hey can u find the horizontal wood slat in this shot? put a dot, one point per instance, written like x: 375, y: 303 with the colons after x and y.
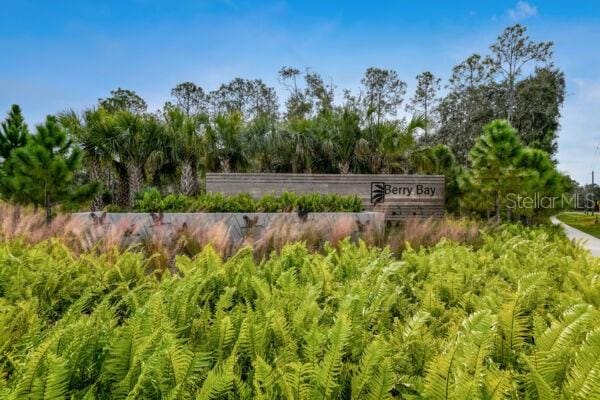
x: 415, y: 195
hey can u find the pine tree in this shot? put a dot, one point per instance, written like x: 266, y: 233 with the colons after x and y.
x: 13, y: 135
x: 13, y: 132
x: 43, y: 170
x: 494, y: 167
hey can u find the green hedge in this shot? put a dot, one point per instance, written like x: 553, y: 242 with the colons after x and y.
x: 152, y: 201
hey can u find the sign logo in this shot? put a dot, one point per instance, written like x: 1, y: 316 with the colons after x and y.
x: 377, y: 192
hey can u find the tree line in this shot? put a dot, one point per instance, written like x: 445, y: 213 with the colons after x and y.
x: 116, y: 148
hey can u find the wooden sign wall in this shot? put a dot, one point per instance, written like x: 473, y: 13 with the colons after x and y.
x: 398, y: 196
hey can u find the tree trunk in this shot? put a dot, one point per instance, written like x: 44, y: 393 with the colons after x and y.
x: 511, y: 99
x: 48, y: 207
x: 225, y: 166
x: 497, y: 206
x: 122, y: 192
x: 135, y: 175
x: 344, y: 167
x: 96, y: 176
x: 188, y: 181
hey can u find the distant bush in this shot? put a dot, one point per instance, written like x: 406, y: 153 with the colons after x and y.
x: 151, y: 200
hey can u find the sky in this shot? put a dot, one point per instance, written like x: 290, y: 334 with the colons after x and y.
x: 57, y: 55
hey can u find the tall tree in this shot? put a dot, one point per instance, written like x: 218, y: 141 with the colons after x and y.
x: 538, y: 103
x: 13, y: 132
x: 473, y: 101
x: 297, y: 104
x: 44, y: 170
x: 190, y: 98
x: 425, y: 99
x: 542, y: 180
x: 321, y: 93
x: 124, y: 100
x: 383, y: 93
x: 512, y: 51
x: 252, y: 98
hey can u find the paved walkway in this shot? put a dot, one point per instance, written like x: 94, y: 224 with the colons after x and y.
x: 588, y: 241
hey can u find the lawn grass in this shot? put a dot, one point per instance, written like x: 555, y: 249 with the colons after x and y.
x: 584, y: 222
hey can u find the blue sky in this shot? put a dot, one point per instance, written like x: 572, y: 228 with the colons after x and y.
x: 66, y: 54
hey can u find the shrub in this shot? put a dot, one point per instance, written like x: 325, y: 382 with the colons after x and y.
x: 427, y: 232
x: 151, y: 200
x: 269, y: 203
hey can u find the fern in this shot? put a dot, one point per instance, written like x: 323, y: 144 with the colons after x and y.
x: 538, y: 388
x: 331, y: 365
x: 35, y: 369
x: 382, y: 384
x: 218, y: 382
x: 296, y: 381
x: 513, y: 330
x: 584, y: 377
x: 183, y: 367
x: 438, y: 380
x: 372, y: 357
x: 516, y: 317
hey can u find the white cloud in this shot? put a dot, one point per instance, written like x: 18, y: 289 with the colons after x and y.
x: 522, y: 10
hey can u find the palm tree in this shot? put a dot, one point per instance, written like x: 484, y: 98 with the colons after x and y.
x: 438, y: 159
x: 90, y: 131
x: 261, y: 142
x: 391, y: 143
x: 225, y: 143
x: 345, y: 142
x: 184, y: 133
x: 296, y: 147
x: 139, y: 148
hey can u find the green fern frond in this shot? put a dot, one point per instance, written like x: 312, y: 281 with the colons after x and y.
x: 185, y: 368
x: 589, y: 287
x: 218, y: 382
x: 35, y: 367
x: 370, y: 361
x: 538, y: 387
x: 564, y: 332
x: 331, y: 365
x: 497, y: 384
x: 476, y: 342
x: 584, y: 377
x: 438, y: 380
x: 512, y: 330
x: 297, y: 380
x: 383, y: 382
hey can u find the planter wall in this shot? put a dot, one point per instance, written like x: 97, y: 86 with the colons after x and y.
x: 238, y: 226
